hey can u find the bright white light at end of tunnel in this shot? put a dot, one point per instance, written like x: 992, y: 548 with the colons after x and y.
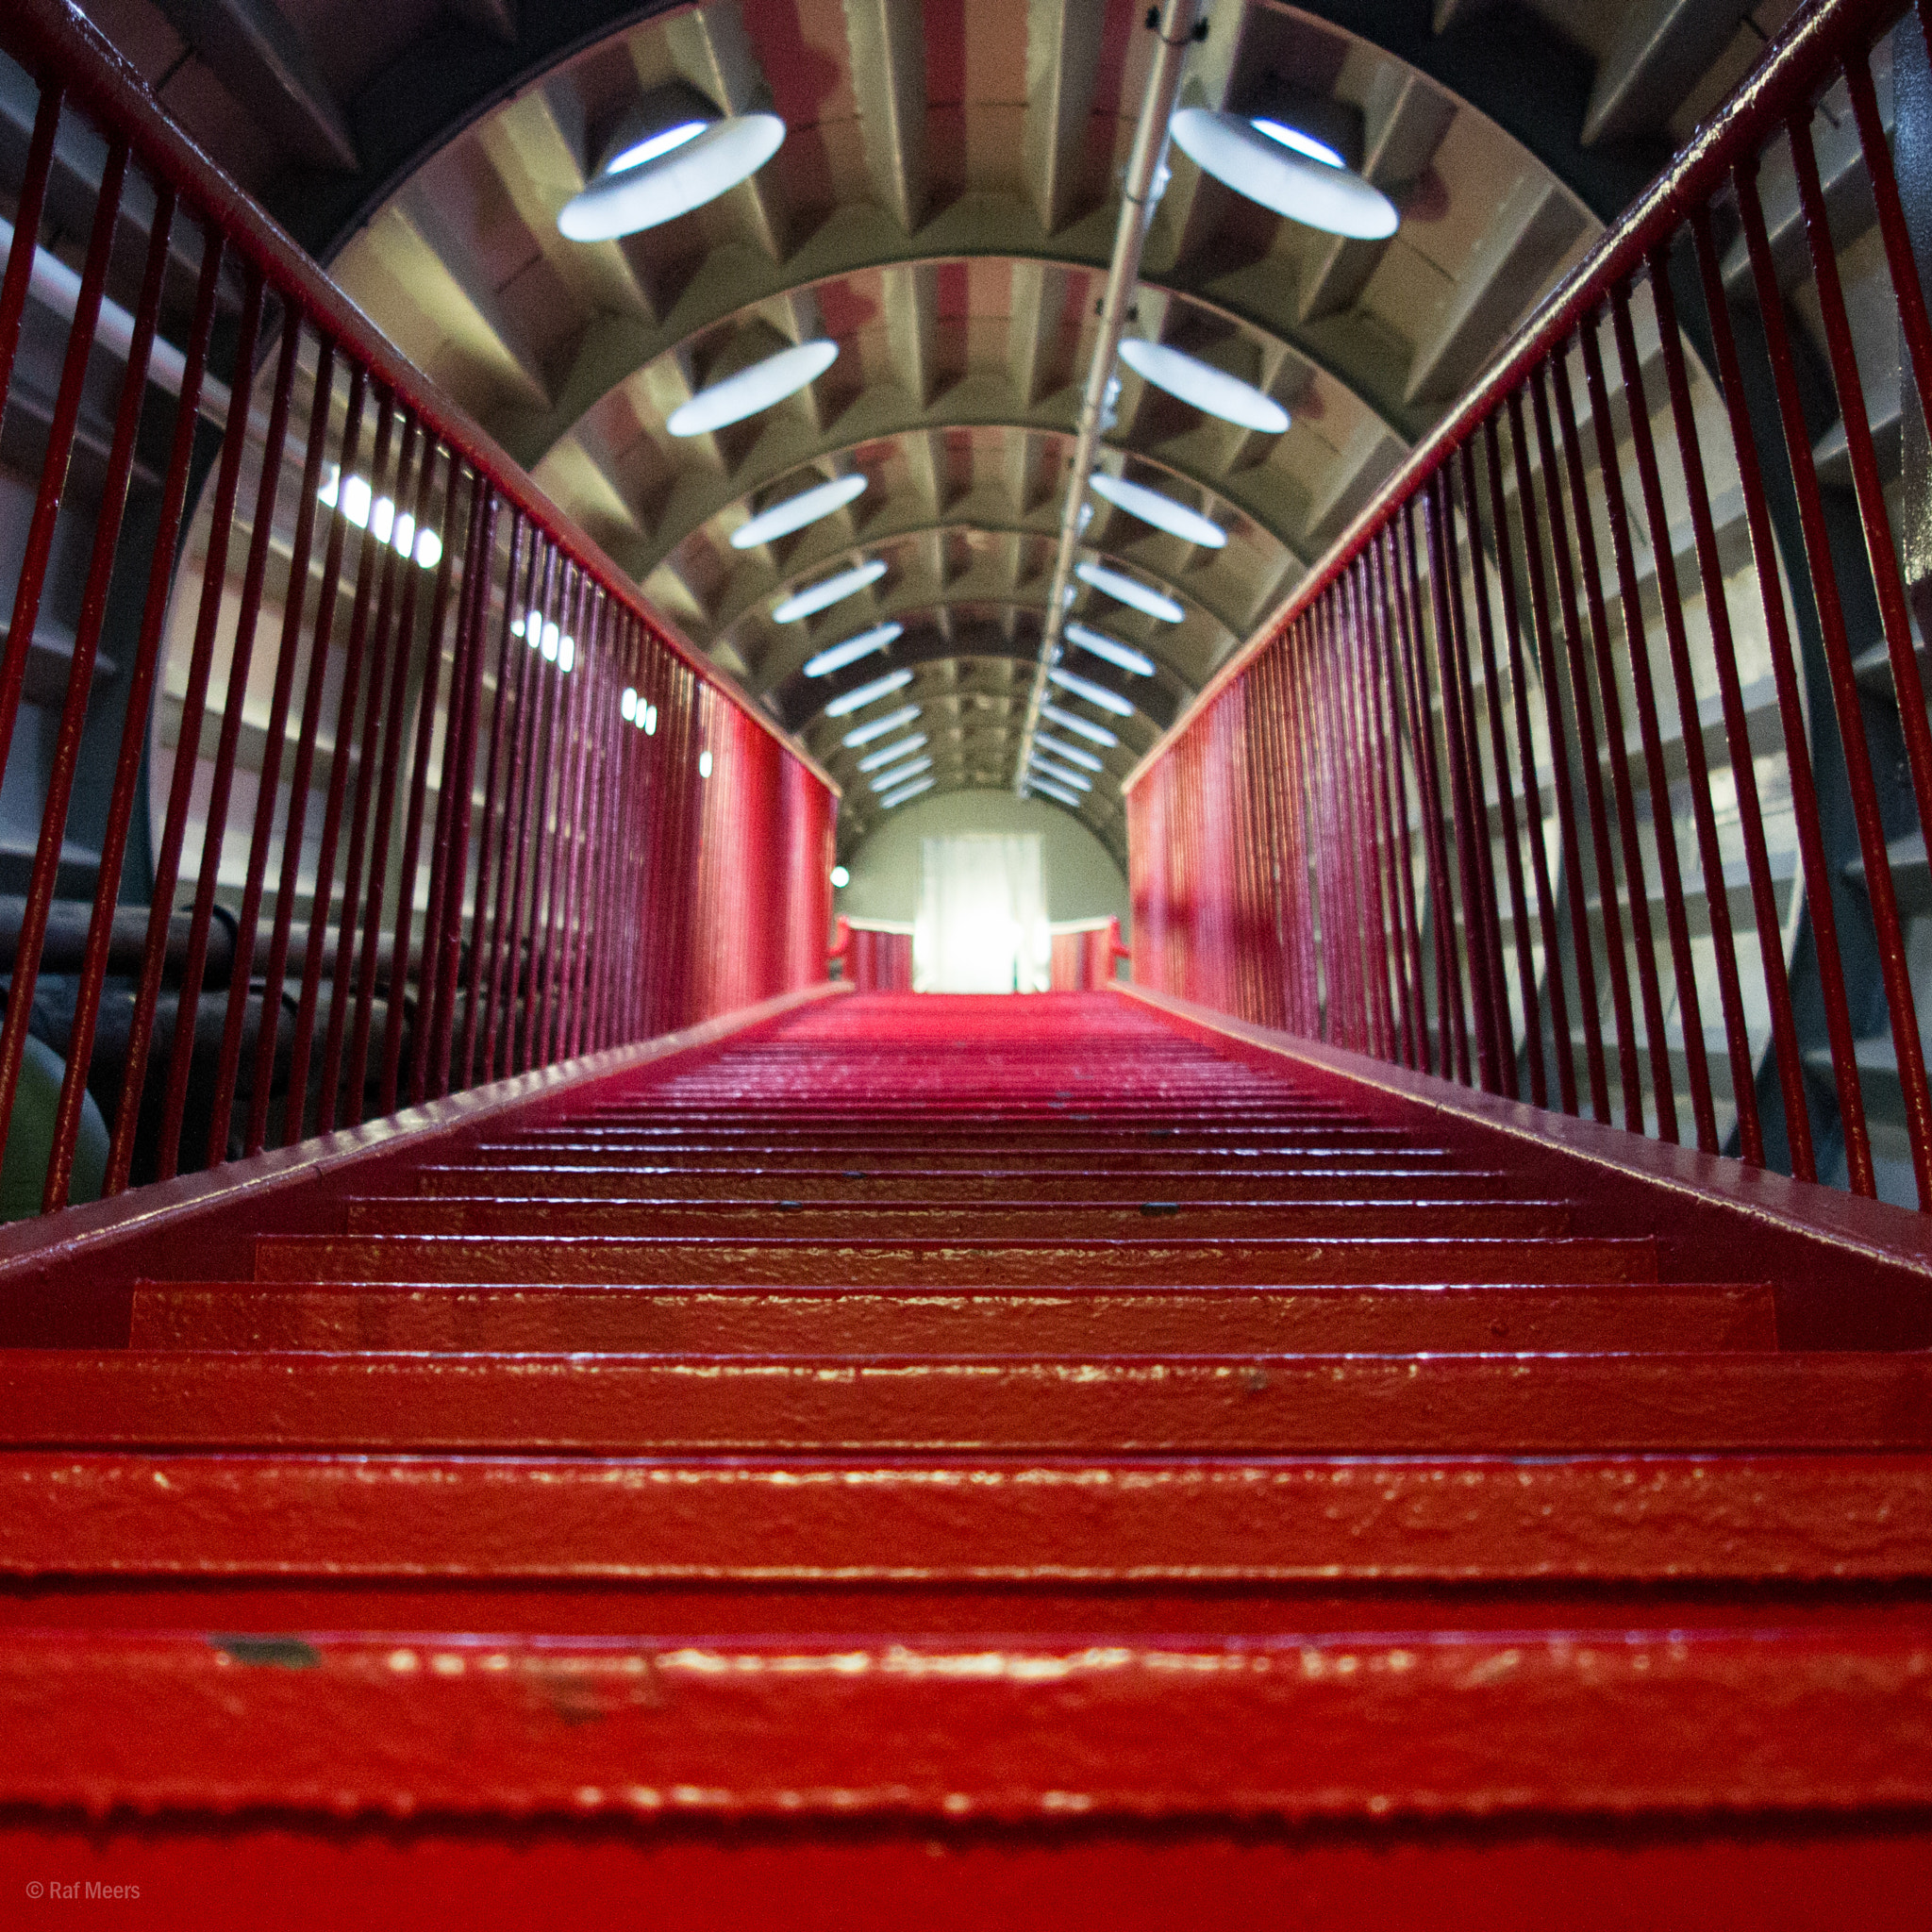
x: 892, y: 754
x: 822, y: 596
x: 638, y: 191
x: 1129, y: 591
x: 1163, y: 512
x: 840, y: 878
x: 868, y: 693
x: 1079, y: 727
x: 1093, y: 693
x: 1114, y: 652
x: 795, y: 512
x: 752, y: 389
x: 1210, y: 389
x: 864, y: 733
x: 853, y: 649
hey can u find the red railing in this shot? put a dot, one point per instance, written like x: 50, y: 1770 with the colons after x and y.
x: 1594, y: 765
x: 435, y: 797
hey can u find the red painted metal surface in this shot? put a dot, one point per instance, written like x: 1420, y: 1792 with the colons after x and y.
x: 1468, y: 721
x: 877, y: 958
x: 1043, y: 1430
x: 362, y: 544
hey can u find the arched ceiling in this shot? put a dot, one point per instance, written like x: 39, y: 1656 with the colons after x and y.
x: 943, y: 209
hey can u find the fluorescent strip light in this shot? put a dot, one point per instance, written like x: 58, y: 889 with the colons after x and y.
x: 878, y: 761
x: 907, y: 791
x: 869, y: 693
x: 1208, y: 389
x: 853, y: 649
x: 1093, y: 693
x: 864, y: 733
x: 1104, y: 646
x: 1151, y: 507
x: 891, y: 781
x: 1275, y: 165
x: 795, y: 512
x: 646, y: 191
x: 752, y: 389
x: 1036, y: 783
x: 1071, y: 753
x: 1079, y: 727
x: 830, y: 591
x: 1078, y: 781
x: 1124, y: 590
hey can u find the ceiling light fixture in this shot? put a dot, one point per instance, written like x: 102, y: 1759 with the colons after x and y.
x: 864, y: 733
x: 891, y: 781
x: 1071, y: 753
x: 1129, y: 591
x: 840, y: 878
x: 853, y: 649
x: 1079, y: 727
x: 1104, y: 646
x: 1093, y: 693
x: 1278, y: 167
x: 666, y: 175
x: 906, y: 791
x: 795, y: 512
x: 1078, y: 781
x: 1036, y: 783
x: 831, y: 590
x: 868, y: 693
x: 752, y: 389
x: 878, y: 761
x: 1210, y: 389
x: 1151, y: 507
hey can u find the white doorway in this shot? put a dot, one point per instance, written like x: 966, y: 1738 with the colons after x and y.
x: 981, y: 925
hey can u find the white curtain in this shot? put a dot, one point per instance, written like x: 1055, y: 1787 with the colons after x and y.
x: 982, y: 915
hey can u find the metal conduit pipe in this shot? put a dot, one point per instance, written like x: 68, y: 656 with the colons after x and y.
x: 1177, y: 23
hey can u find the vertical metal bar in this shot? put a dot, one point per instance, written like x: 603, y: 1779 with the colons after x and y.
x: 1662, y: 818
x: 227, y: 743
x: 1818, y: 890
x: 128, y: 769
x: 1887, y: 580
x: 1544, y: 637
x: 1401, y: 1043
x: 243, y: 971
x: 93, y: 603
x: 1737, y: 726
x: 1405, y: 877
x: 1584, y: 714
x: 1505, y: 807
x: 334, y: 1040
x: 27, y: 212
x: 1636, y: 884
x: 295, y: 827
x: 368, y: 553
x: 38, y: 549
x: 187, y: 749
x: 1561, y: 1044
x: 539, y: 743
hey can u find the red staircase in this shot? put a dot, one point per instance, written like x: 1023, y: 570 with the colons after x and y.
x: 949, y: 1462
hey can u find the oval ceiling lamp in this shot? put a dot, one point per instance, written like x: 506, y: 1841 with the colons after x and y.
x: 1213, y: 391
x: 878, y: 761
x: 821, y: 596
x: 1071, y: 753
x: 1079, y: 727
x: 1077, y: 780
x: 654, y: 180
x: 864, y: 694
x: 1129, y: 591
x: 1093, y: 693
x: 1104, y: 646
x: 853, y: 649
x: 795, y: 512
x: 1278, y: 167
x: 891, y: 781
x: 752, y: 389
x: 906, y: 791
x: 1151, y: 507
x: 864, y: 733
